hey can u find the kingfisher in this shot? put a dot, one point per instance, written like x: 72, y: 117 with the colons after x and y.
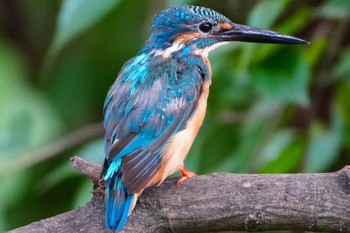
x: 157, y: 104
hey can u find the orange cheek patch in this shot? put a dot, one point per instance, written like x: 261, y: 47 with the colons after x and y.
x: 186, y: 37
x: 225, y: 26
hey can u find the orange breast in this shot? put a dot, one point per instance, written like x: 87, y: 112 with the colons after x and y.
x: 177, y: 149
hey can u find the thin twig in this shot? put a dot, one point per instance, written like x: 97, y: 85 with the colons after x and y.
x: 67, y: 142
x: 91, y: 170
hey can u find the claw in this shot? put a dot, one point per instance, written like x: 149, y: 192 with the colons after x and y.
x: 185, y: 175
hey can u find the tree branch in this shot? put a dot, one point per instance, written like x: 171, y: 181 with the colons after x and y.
x: 220, y: 202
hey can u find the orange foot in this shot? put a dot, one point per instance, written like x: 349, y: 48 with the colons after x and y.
x: 185, y: 175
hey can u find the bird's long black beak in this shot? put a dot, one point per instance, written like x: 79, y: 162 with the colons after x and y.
x: 251, y: 34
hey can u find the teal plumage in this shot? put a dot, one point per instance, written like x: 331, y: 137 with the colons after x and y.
x: 143, y: 110
x: 154, y: 109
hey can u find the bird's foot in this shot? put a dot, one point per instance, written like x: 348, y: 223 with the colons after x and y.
x: 185, y: 175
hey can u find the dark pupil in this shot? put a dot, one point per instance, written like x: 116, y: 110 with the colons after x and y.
x: 205, y: 27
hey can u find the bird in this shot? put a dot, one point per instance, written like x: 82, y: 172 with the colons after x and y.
x: 155, y: 107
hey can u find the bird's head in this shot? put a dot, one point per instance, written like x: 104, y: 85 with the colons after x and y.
x: 198, y: 30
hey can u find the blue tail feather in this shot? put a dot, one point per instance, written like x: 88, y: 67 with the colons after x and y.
x: 118, y: 203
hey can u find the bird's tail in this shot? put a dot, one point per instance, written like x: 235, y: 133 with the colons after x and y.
x: 118, y: 202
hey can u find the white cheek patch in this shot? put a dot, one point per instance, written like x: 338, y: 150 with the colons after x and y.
x: 176, y: 46
x: 205, y: 51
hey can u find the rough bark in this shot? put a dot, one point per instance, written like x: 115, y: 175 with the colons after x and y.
x: 220, y: 202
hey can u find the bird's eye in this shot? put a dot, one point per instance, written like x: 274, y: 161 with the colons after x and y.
x: 205, y: 27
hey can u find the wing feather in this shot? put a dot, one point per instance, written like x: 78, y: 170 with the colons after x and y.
x: 140, y: 120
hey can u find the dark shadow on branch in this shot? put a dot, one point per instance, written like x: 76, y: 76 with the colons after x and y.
x: 220, y: 202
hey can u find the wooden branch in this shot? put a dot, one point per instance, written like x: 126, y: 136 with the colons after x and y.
x: 220, y: 202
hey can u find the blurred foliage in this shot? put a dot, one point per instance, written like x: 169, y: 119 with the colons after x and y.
x: 272, y: 108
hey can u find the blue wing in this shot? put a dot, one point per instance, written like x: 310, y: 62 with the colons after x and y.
x: 140, y: 118
x: 143, y: 109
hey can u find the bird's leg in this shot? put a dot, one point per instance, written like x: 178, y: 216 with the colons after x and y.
x: 185, y: 174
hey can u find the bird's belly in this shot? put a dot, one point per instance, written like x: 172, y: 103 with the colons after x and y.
x: 177, y: 149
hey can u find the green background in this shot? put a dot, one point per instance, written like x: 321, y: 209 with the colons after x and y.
x: 272, y: 108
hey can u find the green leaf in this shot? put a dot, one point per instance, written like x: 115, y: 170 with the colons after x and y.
x: 283, y: 153
x: 248, y: 140
x: 209, y: 144
x: 324, y: 144
x: 283, y: 77
x: 289, y: 159
x: 336, y: 9
x: 240, y: 159
x: 342, y: 98
x: 258, y: 17
x: 27, y: 119
x: 342, y: 68
x: 180, y: 2
x: 289, y: 27
x: 313, y: 52
x: 93, y: 151
x: 56, y: 176
x: 12, y: 189
x: 75, y: 17
x: 276, y: 145
x: 83, y: 194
